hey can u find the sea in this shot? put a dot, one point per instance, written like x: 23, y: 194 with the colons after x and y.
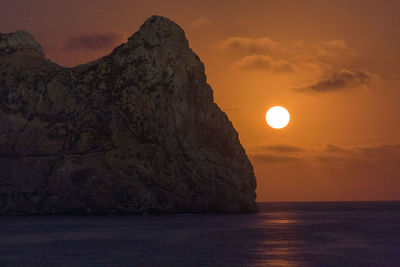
x: 281, y: 234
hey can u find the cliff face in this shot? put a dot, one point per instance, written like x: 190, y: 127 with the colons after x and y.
x: 135, y: 131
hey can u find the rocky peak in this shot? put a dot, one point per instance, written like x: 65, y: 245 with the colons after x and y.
x: 159, y: 30
x: 135, y: 131
x: 19, y: 40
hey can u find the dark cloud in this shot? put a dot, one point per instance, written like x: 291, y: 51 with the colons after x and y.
x: 343, y: 79
x: 262, y: 62
x: 93, y: 41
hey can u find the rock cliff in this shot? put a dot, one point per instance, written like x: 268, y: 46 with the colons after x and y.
x: 136, y: 131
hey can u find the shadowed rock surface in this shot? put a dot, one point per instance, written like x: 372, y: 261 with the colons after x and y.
x: 136, y: 131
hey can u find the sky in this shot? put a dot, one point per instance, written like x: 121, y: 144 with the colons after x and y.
x: 334, y: 65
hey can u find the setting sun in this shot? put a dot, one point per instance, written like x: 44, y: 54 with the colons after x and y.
x: 278, y: 117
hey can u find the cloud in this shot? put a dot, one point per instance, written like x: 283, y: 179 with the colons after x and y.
x: 366, y: 154
x: 329, y: 154
x: 322, y: 66
x: 334, y: 149
x: 282, y: 148
x: 385, y: 151
x: 273, y: 158
x: 276, y: 153
x: 333, y: 50
x: 310, y: 66
x: 249, y: 45
x: 340, y: 80
x: 360, y: 155
x: 309, y: 60
x: 263, y: 62
x: 200, y: 22
x: 94, y: 41
x: 330, y: 172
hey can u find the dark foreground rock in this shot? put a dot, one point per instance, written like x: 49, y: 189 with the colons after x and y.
x: 136, y: 131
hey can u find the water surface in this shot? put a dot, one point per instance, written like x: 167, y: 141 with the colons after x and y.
x: 281, y: 234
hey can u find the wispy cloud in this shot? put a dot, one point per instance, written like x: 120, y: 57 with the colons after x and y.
x: 262, y: 62
x: 249, y: 45
x: 281, y: 148
x: 200, y: 22
x: 273, y: 158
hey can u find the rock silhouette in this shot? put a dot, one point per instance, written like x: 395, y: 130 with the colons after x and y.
x: 136, y: 131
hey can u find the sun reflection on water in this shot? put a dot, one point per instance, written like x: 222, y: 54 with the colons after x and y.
x: 281, y: 221
x: 281, y: 245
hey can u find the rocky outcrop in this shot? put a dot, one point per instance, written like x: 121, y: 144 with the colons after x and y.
x: 18, y: 40
x: 136, y: 131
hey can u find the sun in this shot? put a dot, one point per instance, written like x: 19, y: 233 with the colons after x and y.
x: 278, y: 117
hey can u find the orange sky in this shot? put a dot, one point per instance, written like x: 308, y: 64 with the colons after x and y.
x: 334, y: 65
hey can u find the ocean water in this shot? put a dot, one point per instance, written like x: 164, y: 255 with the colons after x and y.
x: 281, y: 234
